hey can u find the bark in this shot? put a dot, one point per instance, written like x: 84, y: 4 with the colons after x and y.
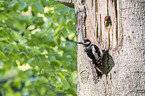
x: 69, y: 3
x: 124, y: 66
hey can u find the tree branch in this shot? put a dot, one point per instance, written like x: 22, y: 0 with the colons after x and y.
x: 69, y: 3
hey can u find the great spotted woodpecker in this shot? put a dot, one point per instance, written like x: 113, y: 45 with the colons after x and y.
x: 94, y: 53
x: 91, y: 50
x: 107, y: 21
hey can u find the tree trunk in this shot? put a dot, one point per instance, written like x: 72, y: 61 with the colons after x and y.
x: 123, y: 69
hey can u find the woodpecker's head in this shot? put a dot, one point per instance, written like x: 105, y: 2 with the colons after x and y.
x: 87, y: 42
x: 107, y: 21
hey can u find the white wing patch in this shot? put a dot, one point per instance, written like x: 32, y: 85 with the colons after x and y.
x: 94, y: 52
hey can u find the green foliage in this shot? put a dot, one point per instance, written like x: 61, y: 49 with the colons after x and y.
x: 35, y: 58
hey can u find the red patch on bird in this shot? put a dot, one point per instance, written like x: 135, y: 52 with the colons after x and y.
x: 105, y: 19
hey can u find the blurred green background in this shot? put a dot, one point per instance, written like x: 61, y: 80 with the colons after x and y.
x: 35, y: 58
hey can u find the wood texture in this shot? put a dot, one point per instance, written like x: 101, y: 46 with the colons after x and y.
x: 124, y: 68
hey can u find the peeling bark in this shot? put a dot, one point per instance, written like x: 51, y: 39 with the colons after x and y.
x: 124, y: 65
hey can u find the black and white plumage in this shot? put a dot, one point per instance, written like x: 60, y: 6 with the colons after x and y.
x: 94, y: 53
x: 91, y: 50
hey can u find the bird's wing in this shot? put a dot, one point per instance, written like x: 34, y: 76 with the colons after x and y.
x: 94, y: 52
x: 100, y: 53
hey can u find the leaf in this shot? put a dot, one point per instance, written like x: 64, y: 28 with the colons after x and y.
x: 48, y: 22
x: 21, y: 26
x: 15, y: 47
x: 30, y: 60
x: 22, y: 5
x: 57, y: 30
x: 52, y: 43
x: 13, y: 3
x: 65, y: 84
x: 39, y: 20
x: 15, y: 35
x: 17, y: 83
x: 58, y: 40
x: 61, y: 76
x: 34, y: 51
x: 55, y: 64
x: 64, y: 81
x: 2, y: 55
x: 64, y: 32
x: 37, y: 7
x: 61, y: 19
x: 4, y: 39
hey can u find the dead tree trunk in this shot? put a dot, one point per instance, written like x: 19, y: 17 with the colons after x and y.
x: 123, y: 71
